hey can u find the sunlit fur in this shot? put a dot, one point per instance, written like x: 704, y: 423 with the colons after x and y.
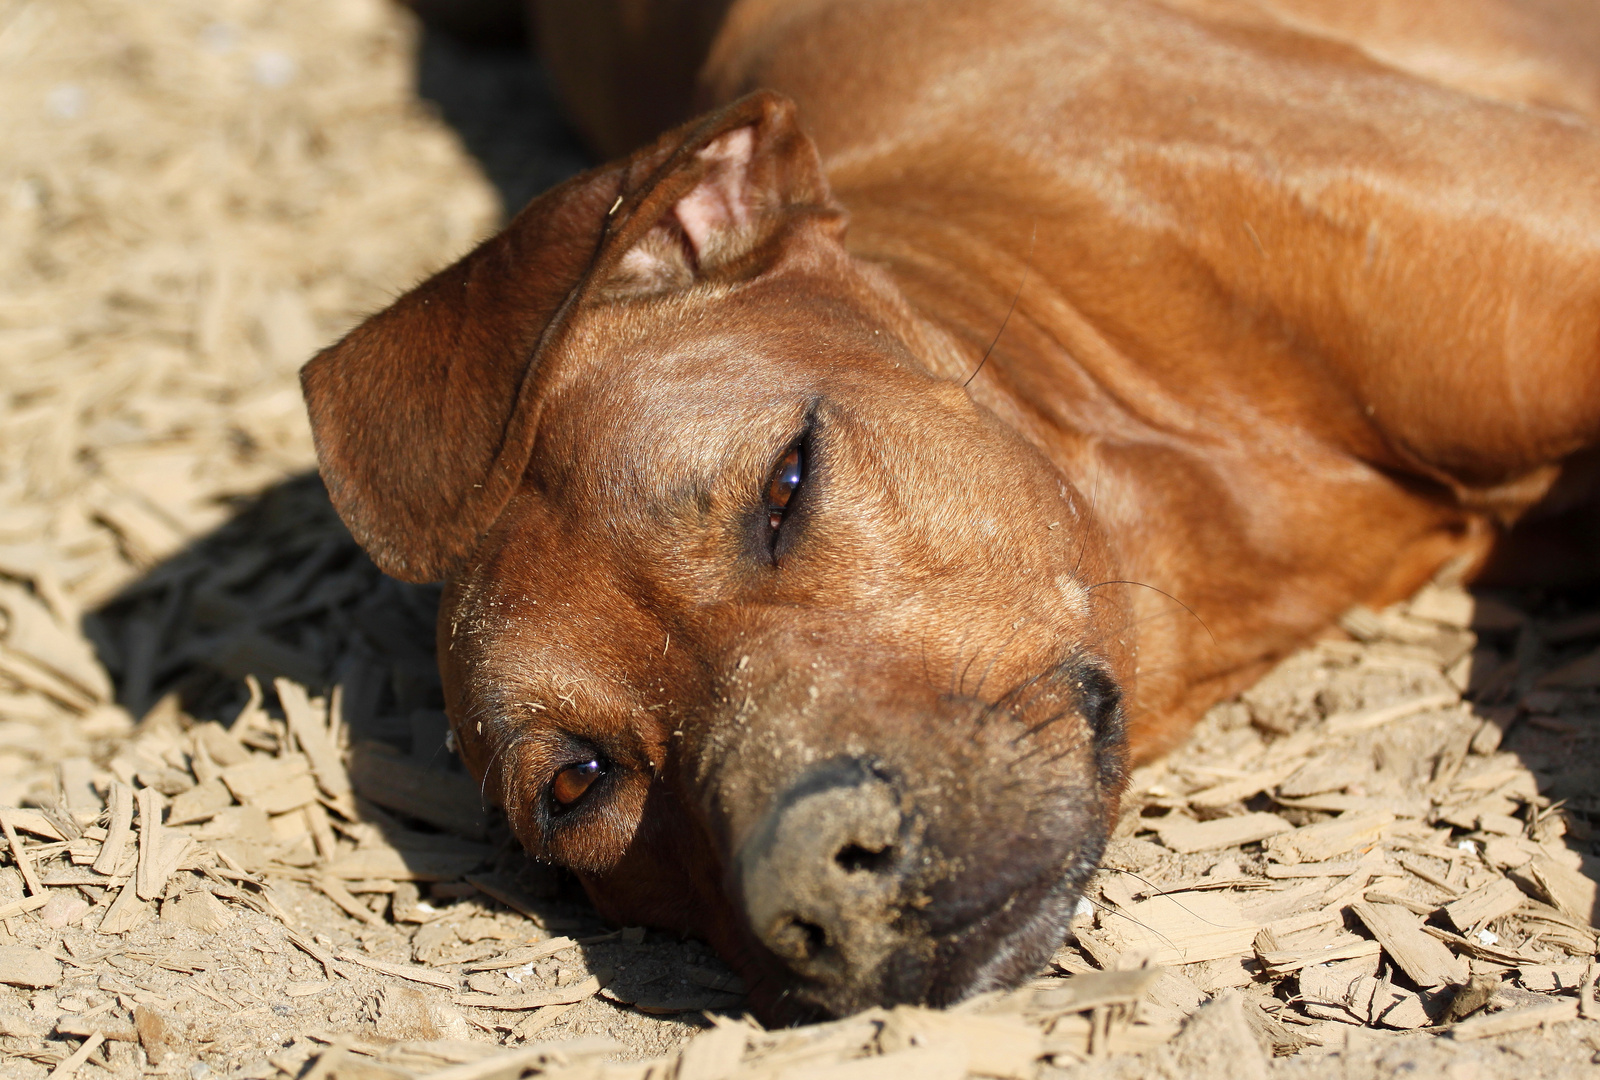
x: 1282, y: 312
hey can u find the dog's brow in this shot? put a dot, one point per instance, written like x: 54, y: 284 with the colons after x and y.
x: 692, y: 445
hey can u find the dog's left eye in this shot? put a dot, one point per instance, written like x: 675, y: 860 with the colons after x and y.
x: 784, y: 483
x: 572, y: 782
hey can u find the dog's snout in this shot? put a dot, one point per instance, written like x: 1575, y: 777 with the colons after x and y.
x: 823, y: 875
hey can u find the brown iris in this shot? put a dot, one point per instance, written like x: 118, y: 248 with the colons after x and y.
x: 784, y: 483
x: 574, y: 780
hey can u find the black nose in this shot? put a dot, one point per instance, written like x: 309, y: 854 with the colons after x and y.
x: 822, y: 876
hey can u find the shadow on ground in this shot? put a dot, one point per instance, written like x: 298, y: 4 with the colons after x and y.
x: 281, y: 591
x: 484, y: 82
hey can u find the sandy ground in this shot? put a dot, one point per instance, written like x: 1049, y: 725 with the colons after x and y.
x: 216, y: 716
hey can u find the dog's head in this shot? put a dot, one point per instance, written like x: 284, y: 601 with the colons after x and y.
x: 765, y: 630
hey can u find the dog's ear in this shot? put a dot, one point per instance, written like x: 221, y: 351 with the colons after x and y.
x: 424, y: 415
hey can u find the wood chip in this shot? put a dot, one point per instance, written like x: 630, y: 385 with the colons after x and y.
x: 1322, y: 841
x: 150, y: 863
x: 540, y: 1019
x: 1416, y: 907
x: 26, y: 904
x: 334, y: 890
x: 1420, y: 956
x: 32, y: 632
x: 311, y: 732
x: 1477, y: 950
x: 1245, y: 787
x: 1512, y: 1020
x: 564, y: 995
x: 199, y: 910
x: 77, y: 789
x: 1351, y: 992
x: 1502, y: 824
x: 1182, y: 928
x: 1340, y: 868
x: 1091, y: 990
x: 176, y: 847
x: 1331, y: 915
x: 919, y: 1063
x: 32, y: 822
x: 406, y: 971
x: 1349, y: 723
x: 71, y: 1064
x: 127, y: 911
x: 200, y: 803
x: 322, y: 831
x: 1331, y: 771
x: 219, y: 744
x: 1285, y: 961
x: 1448, y: 607
x: 111, y: 1030
x: 118, y: 831
x: 1187, y: 836
x: 1394, y: 1007
x: 406, y: 865
x: 509, y: 1066
x: 19, y: 854
x: 24, y: 965
x: 277, y: 785
x: 1551, y: 978
x: 1569, y: 891
x: 330, y: 966
x: 527, y: 955
x: 1426, y: 873
x: 998, y: 1046
x: 1490, y: 901
x: 1330, y: 983
x: 713, y: 1054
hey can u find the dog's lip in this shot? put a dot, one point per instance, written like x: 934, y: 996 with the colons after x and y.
x: 966, y: 956
x: 1042, y: 910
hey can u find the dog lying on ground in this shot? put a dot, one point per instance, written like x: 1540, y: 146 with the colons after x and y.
x: 836, y: 494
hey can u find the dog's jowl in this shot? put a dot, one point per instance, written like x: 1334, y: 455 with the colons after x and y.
x: 836, y: 494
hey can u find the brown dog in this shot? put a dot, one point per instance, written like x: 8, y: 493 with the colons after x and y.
x: 791, y: 607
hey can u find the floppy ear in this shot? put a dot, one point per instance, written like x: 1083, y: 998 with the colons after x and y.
x: 424, y: 415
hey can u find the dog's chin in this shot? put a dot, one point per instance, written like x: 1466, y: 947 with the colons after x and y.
x: 998, y: 951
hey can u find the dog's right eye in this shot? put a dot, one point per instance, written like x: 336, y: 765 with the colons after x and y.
x: 574, y: 781
x: 784, y: 483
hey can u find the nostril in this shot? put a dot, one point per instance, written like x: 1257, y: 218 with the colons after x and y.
x: 796, y: 939
x: 821, y: 872
x: 856, y: 858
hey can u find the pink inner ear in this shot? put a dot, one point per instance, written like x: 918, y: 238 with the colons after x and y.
x: 721, y: 199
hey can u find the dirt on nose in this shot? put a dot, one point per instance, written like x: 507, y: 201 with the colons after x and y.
x: 824, y: 884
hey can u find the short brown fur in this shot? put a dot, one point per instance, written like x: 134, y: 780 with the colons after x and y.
x: 1304, y: 308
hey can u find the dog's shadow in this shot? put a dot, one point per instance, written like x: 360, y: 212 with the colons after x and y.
x: 481, y: 78
x: 282, y: 591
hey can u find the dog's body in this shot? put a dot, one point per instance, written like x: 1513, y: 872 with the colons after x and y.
x: 837, y: 615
